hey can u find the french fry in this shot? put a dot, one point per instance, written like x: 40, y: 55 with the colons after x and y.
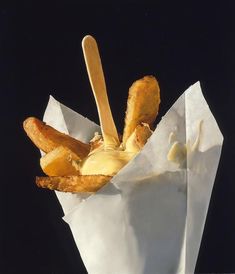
x: 74, y: 184
x: 47, y: 138
x: 59, y: 162
x: 138, y: 138
x: 142, y: 132
x: 96, y: 142
x: 142, y: 104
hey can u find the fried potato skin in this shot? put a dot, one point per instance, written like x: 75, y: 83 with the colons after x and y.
x: 142, y: 133
x: 142, y: 104
x: 96, y: 142
x: 47, y: 138
x: 138, y: 138
x: 59, y: 162
x: 73, y: 184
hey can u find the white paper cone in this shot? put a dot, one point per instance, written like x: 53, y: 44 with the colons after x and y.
x: 149, y: 219
x: 68, y: 121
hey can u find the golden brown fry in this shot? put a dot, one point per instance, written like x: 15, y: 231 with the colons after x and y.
x: 59, y: 162
x: 96, y: 142
x: 142, y: 132
x: 74, y: 184
x: 138, y: 138
x: 142, y: 105
x: 47, y: 138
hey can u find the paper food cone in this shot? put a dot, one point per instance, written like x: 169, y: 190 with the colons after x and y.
x: 150, y: 217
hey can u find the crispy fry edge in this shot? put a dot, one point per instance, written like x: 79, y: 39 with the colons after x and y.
x: 59, y: 162
x: 142, y: 104
x: 74, y: 184
x: 47, y: 138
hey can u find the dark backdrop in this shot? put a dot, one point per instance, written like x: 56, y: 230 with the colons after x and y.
x: 41, y: 55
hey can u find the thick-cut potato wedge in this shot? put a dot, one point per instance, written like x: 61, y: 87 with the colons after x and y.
x: 142, y: 133
x: 138, y: 138
x: 59, y: 162
x: 74, y: 184
x: 142, y: 104
x: 96, y: 142
x: 47, y: 138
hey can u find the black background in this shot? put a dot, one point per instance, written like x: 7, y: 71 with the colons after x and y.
x: 41, y: 55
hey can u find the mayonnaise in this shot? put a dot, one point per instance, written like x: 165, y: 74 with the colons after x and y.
x: 105, y: 162
x: 108, y: 159
x: 177, y: 153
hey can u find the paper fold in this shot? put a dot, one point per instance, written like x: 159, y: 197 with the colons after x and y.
x: 150, y: 217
